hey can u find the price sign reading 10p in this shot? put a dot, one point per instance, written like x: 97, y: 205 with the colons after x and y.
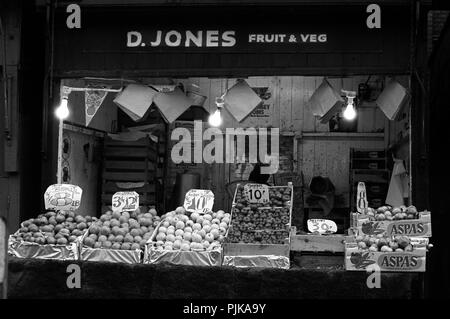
x: 256, y: 193
x: 125, y: 201
x: 199, y: 201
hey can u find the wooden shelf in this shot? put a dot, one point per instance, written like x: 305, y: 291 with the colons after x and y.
x: 342, y: 135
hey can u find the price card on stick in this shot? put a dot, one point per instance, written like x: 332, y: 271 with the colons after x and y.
x: 256, y: 193
x: 199, y: 201
x: 361, y: 198
x: 63, y: 197
x: 125, y: 201
x: 322, y: 226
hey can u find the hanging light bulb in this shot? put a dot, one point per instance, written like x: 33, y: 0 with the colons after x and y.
x: 350, y: 111
x: 215, y: 119
x: 62, y: 112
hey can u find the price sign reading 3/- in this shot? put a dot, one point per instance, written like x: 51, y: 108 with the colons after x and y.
x: 199, y: 201
x: 63, y: 197
x: 125, y: 201
x: 256, y: 193
x: 322, y: 226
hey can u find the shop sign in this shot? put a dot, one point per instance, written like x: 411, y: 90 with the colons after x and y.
x: 361, y: 198
x: 199, y: 201
x: 63, y: 197
x: 322, y: 226
x: 256, y: 193
x: 125, y: 201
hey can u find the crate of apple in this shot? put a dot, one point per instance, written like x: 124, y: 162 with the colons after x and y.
x: 258, y: 237
x: 51, y: 235
x: 390, y: 213
x: 384, y: 244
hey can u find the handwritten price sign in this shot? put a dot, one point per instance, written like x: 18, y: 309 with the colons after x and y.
x: 63, y: 197
x: 125, y: 201
x: 322, y: 226
x: 199, y: 201
x: 256, y: 193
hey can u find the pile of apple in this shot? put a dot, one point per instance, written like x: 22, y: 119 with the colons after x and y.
x: 257, y: 218
x: 52, y: 228
x: 183, y: 231
x: 391, y: 213
x: 384, y: 244
x: 122, y: 230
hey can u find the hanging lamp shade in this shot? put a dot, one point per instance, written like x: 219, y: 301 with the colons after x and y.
x: 135, y: 100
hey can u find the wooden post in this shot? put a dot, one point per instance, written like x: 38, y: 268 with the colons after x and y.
x: 3, y: 258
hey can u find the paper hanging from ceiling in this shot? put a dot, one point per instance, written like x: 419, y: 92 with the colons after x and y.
x: 172, y: 104
x: 392, y: 99
x: 241, y: 100
x: 92, y: 102
x: 325, y: 102
x: 135, y: 100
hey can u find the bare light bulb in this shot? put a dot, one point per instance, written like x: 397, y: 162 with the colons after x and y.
x: 215, y: 119
x: 350, y: 112
x: 62, y: 112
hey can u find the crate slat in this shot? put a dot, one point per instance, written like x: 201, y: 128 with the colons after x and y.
x: 129, y: 165
x: 128, y: 176
x: 132, y: 152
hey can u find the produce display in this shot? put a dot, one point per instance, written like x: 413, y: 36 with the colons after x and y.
x: 260, y: 223
x: 181, y: 230
x: 392, y: 213
x: 60, y: 228
x: 383, y: 243
x: 122, y: 230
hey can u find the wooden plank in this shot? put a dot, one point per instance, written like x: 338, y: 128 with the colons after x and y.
x: 145, y: 143
x: 127, y: 177
x: 318, y: 243
x: 129, y: 165
x: 285, y: 97
x: 308, y: 90
x: 111, y: 187
x: 129, y: 153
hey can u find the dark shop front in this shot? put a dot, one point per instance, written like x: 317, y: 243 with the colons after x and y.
x: 137, y: 96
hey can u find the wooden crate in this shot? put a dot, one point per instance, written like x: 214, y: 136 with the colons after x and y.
x: 420, y: 227
x: 318, y: 243
x: 131, y: 161
x: 248, y: 250
x: 358, y: 260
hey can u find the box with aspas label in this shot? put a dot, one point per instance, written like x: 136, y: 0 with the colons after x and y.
x: 393, y: 221
x: 399, y: 254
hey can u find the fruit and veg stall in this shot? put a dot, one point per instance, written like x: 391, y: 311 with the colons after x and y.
x: 245, y: 252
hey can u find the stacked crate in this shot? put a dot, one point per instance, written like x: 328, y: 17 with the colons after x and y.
x: 130, y: 162
x: 371, y: 167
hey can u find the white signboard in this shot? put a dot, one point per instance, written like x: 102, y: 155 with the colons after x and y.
x: 361, y: 198
x: 125, y: 201
x: 322, y: 226
x: 2, y: 251
x: 199, y: 201
x: 256, y: 193
x: 63, y: 197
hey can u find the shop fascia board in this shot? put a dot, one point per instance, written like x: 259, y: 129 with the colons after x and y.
x: 142, y: 3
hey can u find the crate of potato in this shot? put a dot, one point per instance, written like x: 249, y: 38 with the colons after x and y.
x: 185, y: 238
x: 52, y: 235
x: 259, y: 235
x: 393, y: 221
x: 119, y: 236
x: 396, y: 254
